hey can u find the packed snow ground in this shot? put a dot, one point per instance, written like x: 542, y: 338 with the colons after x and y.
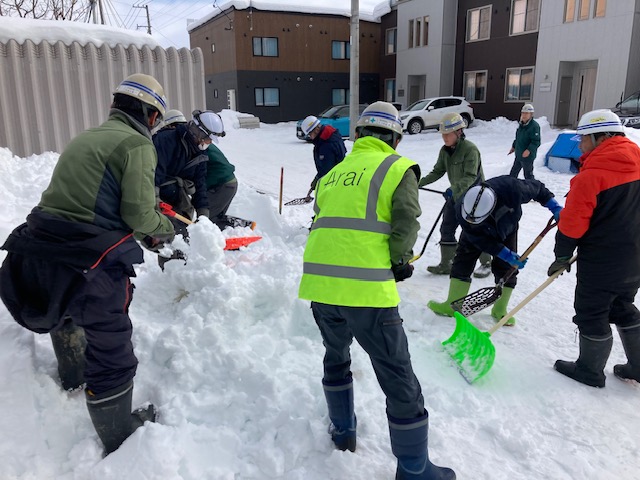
x: 233, y: 359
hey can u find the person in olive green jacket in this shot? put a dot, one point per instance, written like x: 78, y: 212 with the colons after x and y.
x: 68, y: 268
x: 525, y: 144
x: 460, y: 160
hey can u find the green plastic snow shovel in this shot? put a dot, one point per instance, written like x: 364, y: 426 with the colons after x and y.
x: 472, y: 349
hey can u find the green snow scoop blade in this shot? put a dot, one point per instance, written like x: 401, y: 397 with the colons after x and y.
x: 470, y: 348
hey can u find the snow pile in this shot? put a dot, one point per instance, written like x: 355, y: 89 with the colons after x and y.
x: 233, y: 359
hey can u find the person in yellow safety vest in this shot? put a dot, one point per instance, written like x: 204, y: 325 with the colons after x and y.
x: 360, y: 243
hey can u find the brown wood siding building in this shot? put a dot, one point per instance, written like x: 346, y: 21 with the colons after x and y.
x: 299, y: 69
x: 494, y: 55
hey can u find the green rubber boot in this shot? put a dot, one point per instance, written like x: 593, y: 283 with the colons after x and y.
x: 447, y: 252
x: 457, y: 289
x: 499, y: 309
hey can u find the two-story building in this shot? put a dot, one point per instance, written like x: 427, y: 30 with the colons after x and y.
x: 284, y: 65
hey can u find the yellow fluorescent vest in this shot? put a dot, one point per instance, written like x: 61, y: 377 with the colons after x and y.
x: 346, y: 260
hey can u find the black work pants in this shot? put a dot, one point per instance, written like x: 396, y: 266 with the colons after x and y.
x: 220, y: 197
x: 449, y: 223
x: 467, y: 255
x: 598, y: 304
x: 380, y: 333
x: 525, y: 164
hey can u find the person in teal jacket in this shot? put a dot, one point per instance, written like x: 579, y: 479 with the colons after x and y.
x: 526, y: 143
x: 460, y: 160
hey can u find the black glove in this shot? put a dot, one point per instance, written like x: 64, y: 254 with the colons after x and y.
x: 558, y: 264
x: 447, y: 194
x: 402, y: 271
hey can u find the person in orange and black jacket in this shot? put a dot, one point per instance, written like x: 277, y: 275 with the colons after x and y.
x: 601, y: 219
x: 328, y: 147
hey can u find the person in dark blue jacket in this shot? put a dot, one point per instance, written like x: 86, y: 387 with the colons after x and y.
x: 489, y: 214
x: 328, y: 147
x: 181, y: 175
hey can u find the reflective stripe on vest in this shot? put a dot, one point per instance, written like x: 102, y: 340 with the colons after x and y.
x: 357, y: 272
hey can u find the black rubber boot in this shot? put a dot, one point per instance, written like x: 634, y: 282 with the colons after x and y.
x: 589, y: 368
x: 630, y: 337
x: 69, y: 345
x: 112, y: 417
x: 409, y: 443
x: 343, y: 419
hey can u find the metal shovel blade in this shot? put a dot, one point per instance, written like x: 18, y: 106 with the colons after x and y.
x: 300, y: 201
x: 478, y: 300
x: 470, y: 348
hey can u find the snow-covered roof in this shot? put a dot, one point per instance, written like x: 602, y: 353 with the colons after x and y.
x: 21, y: 29
x: 370, y: 10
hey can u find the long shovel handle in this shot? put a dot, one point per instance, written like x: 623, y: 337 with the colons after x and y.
x: 529, y: 297
x: 551, y: 224
x: 431, y: 190
x: 424, y: 247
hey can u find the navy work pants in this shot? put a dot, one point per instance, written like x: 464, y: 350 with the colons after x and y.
x: 380, y: 333
x: 467, y: 255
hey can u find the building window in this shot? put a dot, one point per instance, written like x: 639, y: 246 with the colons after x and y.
x: 265, y: 46
x: 340, y: 50
x: 411, y: 22
x: 425, y: 31
x: 267, y: 97
x: 475, y: 86
x: 339, y: 96
x: 215, y: 93
x: 392, y: 41
x: 519, y: 84
x: 583, y: 12
x: 213, y: 48
x: 599, y: 8
x: 390, y: 90
x: 569, y: 10
x: 419, y: 32
x: 524, y: 16
x: 478, y: 23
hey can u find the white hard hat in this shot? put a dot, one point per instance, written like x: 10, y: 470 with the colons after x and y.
x: 451, y: 122
x: 309, y: 123
x: 146, y: 89
x: 208, y: 125
x: 478, y: 203
x: 527, y: 108
x: 174, y: 116
x: 599, y: 121
x: 381, y: 115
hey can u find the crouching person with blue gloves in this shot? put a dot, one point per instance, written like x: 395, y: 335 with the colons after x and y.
x: 489, y: 215
x: 367, y: 205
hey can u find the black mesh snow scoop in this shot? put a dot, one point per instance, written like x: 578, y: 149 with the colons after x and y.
x: 485, y: 297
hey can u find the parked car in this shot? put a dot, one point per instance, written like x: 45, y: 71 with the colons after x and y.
x: 337, y: 116
x: 428, y: 112
x: 629, y: 110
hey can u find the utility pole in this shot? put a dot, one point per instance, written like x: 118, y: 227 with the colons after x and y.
x: 146, y: 7
x: 354, y: 69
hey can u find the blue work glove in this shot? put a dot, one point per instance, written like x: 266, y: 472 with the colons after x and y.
x: 447, y: 194
x: 554, y: 207
x: 402, y: 271
x: 511, y: 258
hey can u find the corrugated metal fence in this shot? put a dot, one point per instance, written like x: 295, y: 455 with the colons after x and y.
x: 51, y: 92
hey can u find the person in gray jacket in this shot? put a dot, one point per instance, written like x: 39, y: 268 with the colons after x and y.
x: 526, y: 143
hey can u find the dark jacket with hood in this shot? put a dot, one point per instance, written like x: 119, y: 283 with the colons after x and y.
x: 328, y: 150
x: 511, y: 193
x: 179, y: 156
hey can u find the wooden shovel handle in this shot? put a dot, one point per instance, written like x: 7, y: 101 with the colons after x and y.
x: 529, y: 297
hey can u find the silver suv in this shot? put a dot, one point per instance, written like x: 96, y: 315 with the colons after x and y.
x: 428, y: 112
